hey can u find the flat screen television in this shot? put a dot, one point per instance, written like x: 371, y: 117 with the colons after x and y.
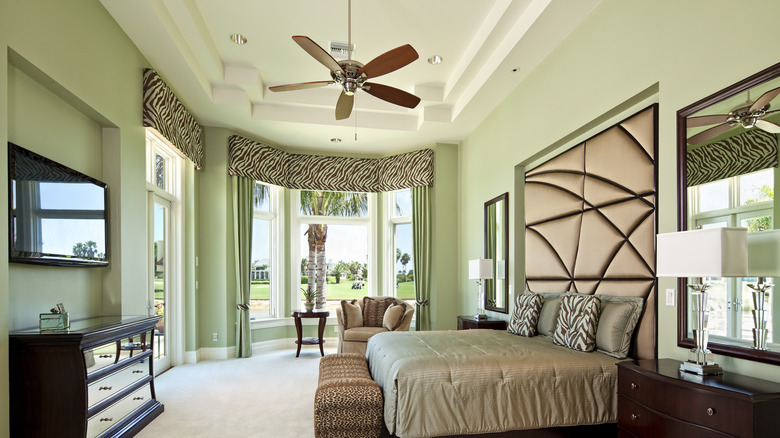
x: 57, y: 215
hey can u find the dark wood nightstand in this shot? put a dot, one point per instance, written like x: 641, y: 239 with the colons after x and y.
x: 467, y: 322
x: 656, y: 400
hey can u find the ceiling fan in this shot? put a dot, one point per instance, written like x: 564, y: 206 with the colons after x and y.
x: 748, y: 115
x: 352, y: 75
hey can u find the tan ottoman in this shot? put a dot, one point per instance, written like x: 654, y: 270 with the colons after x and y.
x: 348, y: 403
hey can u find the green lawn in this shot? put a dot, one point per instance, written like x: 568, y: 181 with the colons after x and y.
x: 340, y: 291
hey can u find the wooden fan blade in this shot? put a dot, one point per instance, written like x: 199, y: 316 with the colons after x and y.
x: 764, y: 99
x: 344, y: 106
x: 391, y: 94
x: 317, y: 53
x: 389, y: 61
x: 693, y: 122
x: 768, y: 126
x: 300, y: 86
x: 709, y: 133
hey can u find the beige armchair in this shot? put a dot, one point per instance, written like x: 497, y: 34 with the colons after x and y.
x: 360, y: 323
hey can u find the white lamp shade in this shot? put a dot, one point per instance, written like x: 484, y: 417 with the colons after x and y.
x: 710, y: 252
x: 480, y: 269
x: 764, y: 253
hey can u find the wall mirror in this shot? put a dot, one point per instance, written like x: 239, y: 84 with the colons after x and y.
x: 497, y: 249
x: 727, y: 157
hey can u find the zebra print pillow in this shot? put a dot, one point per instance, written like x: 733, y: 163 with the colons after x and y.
x: 526, y: 314
x: 577, y: 322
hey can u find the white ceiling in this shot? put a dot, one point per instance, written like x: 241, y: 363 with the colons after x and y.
x: 488, y: 47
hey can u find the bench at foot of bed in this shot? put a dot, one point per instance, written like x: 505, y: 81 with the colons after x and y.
x: 348, y: 403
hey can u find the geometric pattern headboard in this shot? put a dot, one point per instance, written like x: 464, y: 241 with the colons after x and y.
x: 591, y: 220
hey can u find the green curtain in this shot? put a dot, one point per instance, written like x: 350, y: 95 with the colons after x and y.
x: 490, y: 252
x: 421, y: 238
x: 243, y: 192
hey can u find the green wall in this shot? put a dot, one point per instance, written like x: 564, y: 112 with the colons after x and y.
x: 622, y: 57
x: 70, y: 90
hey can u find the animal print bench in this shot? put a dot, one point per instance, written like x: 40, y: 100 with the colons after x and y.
x: 348, y: 403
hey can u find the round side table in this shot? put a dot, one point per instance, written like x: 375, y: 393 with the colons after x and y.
x: 322, y: 315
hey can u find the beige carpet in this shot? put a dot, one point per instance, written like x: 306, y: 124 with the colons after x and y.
x: 270, y: 394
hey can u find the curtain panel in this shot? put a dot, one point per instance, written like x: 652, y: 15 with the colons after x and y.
x: 421, y: 242
x: 260, y: 162
x: 750, y: 151
x: 164, y: 112
x: 243, y: 191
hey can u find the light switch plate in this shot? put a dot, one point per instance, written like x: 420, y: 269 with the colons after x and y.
x: 670, y: 297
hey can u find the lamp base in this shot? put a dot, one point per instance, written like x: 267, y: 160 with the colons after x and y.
x: 711, y: 369
x: 480, y: 317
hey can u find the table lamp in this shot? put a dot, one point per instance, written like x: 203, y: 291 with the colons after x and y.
x: 763, y: 261
x: 480, y: 269
x: 711, y: 252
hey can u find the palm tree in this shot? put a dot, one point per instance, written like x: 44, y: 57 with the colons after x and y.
x: 322, y: 203
x: 304, y: 265
x: 340, y: 268
x: 405, y: 260
x: 262, y: 192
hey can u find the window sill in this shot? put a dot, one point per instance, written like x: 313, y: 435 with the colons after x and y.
x: 263, y: 323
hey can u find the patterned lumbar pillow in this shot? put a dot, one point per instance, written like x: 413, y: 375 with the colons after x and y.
x: 394, y: 316
x: 374, y: 310
x: 619, y: 316
x: 526, y: 314
x: 577, y: 322
x: 352, y: 314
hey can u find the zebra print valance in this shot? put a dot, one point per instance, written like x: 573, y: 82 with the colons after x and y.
x: 748, y: 152
x: 164, y: 112
x: 260, y: 162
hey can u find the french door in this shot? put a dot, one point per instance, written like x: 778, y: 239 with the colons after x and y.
x: 161, y: 281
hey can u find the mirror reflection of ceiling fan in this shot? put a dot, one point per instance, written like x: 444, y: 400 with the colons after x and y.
x: 352, y: 75
x: 748, y: 115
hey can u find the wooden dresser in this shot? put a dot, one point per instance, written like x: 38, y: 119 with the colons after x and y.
x: 656, y: 400
x: 94, y: 380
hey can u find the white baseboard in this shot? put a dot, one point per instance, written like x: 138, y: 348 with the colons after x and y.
x: 221, y: 353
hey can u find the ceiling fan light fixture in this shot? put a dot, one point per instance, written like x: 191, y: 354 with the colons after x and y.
x: 435, y: 59
x: 238, y: 39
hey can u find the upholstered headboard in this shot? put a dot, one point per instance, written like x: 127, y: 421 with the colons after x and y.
x: 590, y: 217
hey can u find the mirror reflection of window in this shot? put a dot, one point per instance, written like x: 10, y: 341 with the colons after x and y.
x: 740, y: 201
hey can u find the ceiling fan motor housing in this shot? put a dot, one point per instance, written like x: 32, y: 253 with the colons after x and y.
x: 349, y: 79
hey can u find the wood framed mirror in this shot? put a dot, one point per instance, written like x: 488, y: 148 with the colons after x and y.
x: 497, y: 249
x: 727, y: 157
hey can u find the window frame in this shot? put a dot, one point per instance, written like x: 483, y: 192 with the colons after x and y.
x: 276, y: 283
x: 390, y: 243
x: 298, y: 219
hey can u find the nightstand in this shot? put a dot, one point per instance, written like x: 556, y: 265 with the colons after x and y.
x: 656, y: 400
x: 467, y: 322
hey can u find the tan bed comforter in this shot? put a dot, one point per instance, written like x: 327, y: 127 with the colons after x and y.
x: 481, y: 381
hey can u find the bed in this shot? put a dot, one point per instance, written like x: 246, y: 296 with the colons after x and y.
x: 590, y: 230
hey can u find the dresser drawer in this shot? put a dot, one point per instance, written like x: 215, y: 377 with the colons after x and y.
x: 114, y: 414
x: 696, y: 405
x: 104, y: 388
x: 641, y: 421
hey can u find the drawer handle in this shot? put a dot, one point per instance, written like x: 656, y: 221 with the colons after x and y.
x: 710, y: 412
x: 104, y: 356
x: 633, y: 385
x: 634, y: 417
x: 138, y: 398
x: 105, y: 388
x: 137, y: 371
x: 106, y: 419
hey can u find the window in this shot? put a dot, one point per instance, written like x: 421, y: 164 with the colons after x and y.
x: 335, y: 239
x: 400, y: 226
x: 164, y: 178
x: 740, y: 201
x: 264, y: 282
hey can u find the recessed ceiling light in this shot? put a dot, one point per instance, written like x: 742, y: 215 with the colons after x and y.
x: 238, y: 38
x: 435, y: 59
x: 335, y: 140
